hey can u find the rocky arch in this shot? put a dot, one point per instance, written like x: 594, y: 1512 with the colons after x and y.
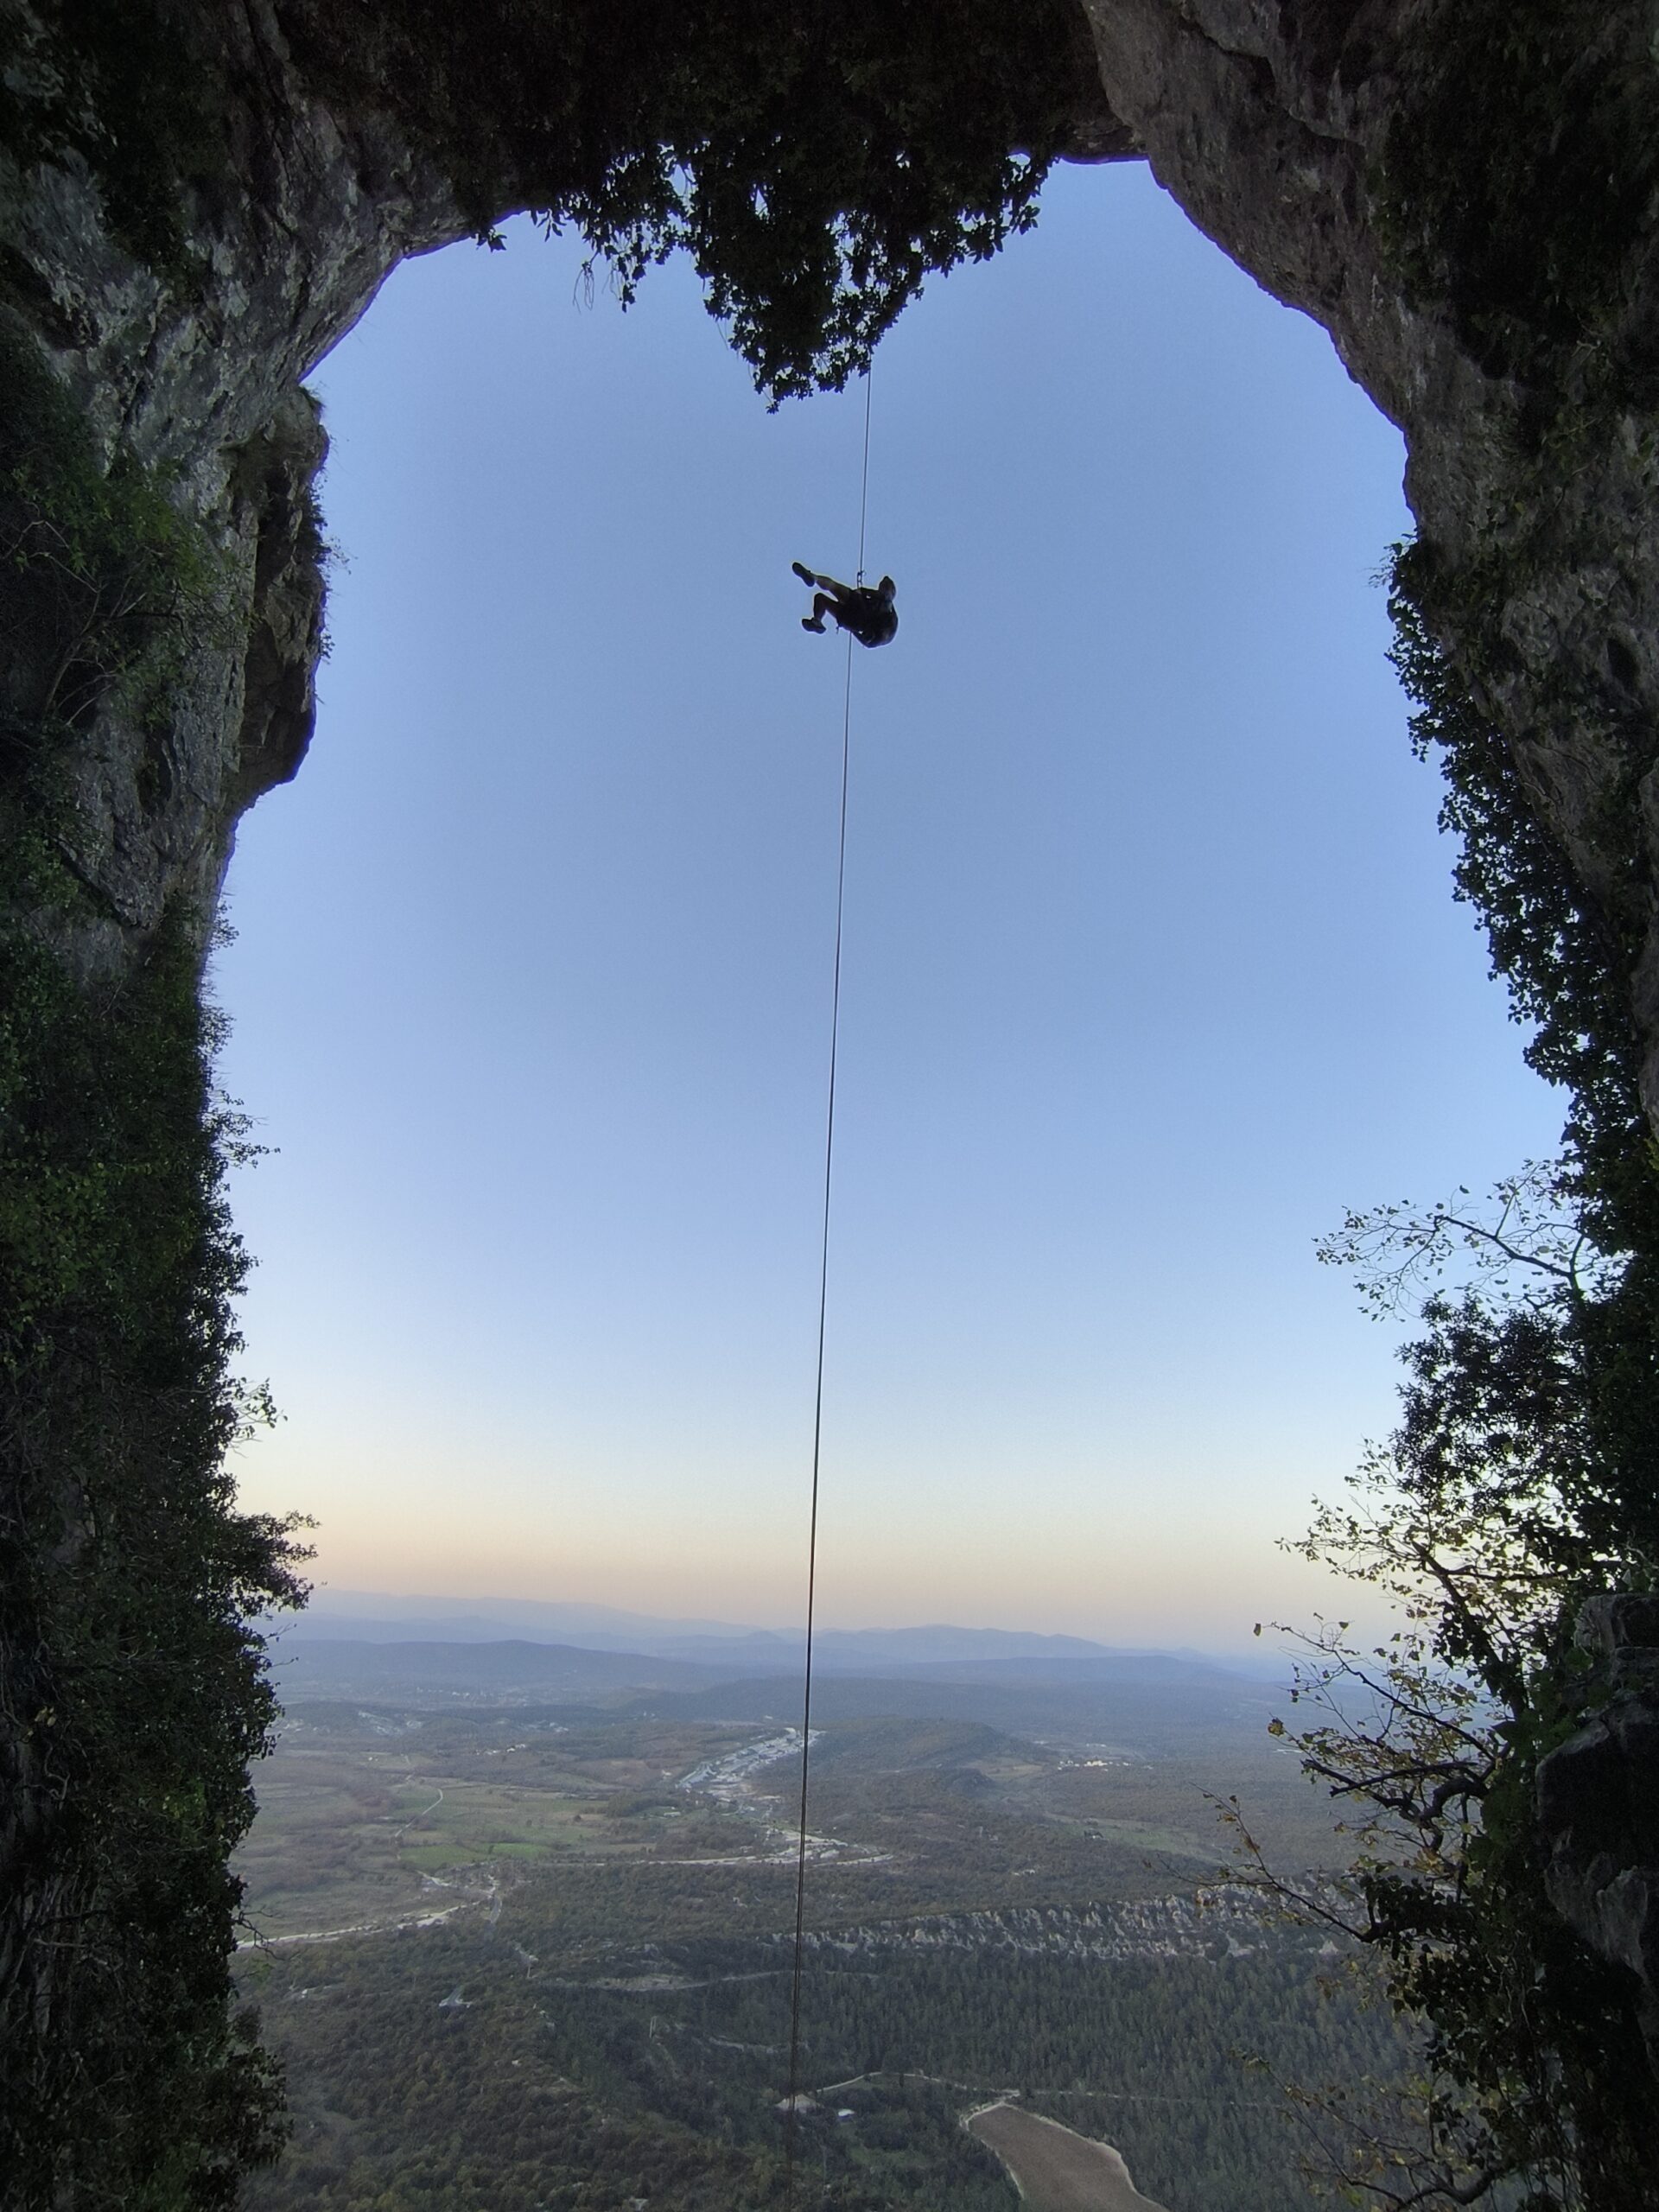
x: 1460, y: 191
x: 1300, y: 135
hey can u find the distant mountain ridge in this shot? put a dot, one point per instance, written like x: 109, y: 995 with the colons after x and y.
x: 1154, y: 1707
x: 361, y: 1616
x: 513, y: 1668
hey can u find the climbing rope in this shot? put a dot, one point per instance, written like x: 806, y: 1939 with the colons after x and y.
x: 792, y: 2110
x: 864, y: 503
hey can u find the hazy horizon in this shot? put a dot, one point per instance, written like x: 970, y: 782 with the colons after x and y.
x: 504, y: 1606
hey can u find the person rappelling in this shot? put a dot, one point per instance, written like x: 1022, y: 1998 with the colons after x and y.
x: 864, y: 611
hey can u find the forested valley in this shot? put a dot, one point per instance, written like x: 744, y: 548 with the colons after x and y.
x: 574, y: 1990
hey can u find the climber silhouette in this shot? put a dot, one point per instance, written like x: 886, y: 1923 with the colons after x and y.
x: 866, y: 611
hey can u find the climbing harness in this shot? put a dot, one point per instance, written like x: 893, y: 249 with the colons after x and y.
x: 792, y: 2105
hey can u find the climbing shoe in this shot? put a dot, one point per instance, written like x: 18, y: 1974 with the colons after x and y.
x: 805, y: 574
x: 807, y: 623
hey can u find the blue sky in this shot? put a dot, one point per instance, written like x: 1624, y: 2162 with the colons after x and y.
x: 1152, y: 965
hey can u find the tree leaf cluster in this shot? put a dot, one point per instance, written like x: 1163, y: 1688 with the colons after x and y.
x: 817, y: 164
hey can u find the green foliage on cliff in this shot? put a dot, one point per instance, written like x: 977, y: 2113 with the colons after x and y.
x: 1561, y: 958
x: 135, y: 1696
x: 1564, y: 959
x: 1491, y: 1512
x: 109, y: 587
x: 1521, y: 1479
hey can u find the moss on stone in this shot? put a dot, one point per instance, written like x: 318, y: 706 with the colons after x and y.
x: 1520, y: 172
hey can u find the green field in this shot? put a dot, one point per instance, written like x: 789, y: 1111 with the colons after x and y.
x: 361, y: 1814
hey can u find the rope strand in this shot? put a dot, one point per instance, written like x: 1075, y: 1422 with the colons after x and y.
x: 864, y: 486
x: 793, y: 2119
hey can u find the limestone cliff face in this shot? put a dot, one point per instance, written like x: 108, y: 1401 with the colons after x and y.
x: 152, y: 812
x: 209, y: 387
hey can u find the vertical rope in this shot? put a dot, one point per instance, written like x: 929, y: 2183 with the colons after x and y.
x: 864, y: 485
x: 792, y: 2120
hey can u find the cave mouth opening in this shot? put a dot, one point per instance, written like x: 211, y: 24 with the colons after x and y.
x: 603, y: 966
x: 530, y: 977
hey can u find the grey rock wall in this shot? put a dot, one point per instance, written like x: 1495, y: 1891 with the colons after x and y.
x: 154, y: 810
x: 1599, y: 1801
x: 207, y: 384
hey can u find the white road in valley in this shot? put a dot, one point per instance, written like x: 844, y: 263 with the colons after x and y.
x: 491, y: 1896
x: 730, y: 1781
x: 728, y: 1778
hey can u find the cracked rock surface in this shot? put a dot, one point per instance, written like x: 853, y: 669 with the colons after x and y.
x: 1599, y: 1801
